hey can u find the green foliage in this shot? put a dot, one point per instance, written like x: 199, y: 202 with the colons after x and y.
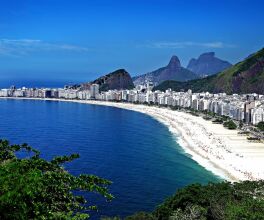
x: 230, y: 125
x: 261, y: 126
x: 34, y: 188
x: 215, y: 201
x: 246, y: 209
x: 212, y: 114
x: 225, y: 118
x: 197, y: 85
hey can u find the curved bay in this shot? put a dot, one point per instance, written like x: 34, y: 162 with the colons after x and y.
x: 133, y: 150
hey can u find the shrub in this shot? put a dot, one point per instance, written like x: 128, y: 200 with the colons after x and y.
x: 230, y: 125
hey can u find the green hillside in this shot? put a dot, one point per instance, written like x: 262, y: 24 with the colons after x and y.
x: 244, y: 77
x: 214, y: 201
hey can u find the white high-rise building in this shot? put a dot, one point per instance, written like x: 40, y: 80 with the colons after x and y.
x: 257, y: 115
x: 94, y: 90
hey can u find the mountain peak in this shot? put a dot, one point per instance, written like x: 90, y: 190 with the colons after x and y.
x: 207, y: 55
x: 207, y: 64
x: 174, y: 62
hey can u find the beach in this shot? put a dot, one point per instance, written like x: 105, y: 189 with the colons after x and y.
x: 222, y: 151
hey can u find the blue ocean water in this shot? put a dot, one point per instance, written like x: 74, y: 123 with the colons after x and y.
x: 133, y: 150
x: 7, y: 83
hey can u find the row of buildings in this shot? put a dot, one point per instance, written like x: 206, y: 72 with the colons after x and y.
x: 66, y: 93
x: 248, y: 108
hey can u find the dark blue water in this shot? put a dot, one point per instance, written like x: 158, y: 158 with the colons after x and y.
x: 131, y: 149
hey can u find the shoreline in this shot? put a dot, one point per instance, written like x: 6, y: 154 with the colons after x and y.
x: 217, y: 149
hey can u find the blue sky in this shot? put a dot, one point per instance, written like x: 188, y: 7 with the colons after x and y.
x: 78, y: 40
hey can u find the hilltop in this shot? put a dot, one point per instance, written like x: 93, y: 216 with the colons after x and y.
x: 119, y: 79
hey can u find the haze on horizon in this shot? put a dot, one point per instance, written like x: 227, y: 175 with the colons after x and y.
x: 80, y: 40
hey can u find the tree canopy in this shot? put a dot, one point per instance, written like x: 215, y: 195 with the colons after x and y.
x: 34, y: 188
x: 215, y: 201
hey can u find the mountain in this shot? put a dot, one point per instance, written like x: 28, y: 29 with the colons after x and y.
x: 173, y: 71
x: 244, y: 77
x: 119, y: 79
x: 207, y: 64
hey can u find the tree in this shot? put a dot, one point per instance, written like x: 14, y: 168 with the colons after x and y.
x: 261, y: 125
x: 230, y: 125
x: 214, y: 201
x: 34, y: 188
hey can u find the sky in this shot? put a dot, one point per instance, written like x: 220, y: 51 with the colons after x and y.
x: 79, y: 40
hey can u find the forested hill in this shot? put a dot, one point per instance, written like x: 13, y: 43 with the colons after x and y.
x: 215, y: 201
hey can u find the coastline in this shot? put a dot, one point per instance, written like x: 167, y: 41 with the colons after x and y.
x: 222, y: 151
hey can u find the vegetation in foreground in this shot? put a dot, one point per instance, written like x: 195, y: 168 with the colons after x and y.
x: 34, y: 188
x: 215, y: 201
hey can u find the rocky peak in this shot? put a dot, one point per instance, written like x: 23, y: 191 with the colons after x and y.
x: 174, y: 63
x: 207, y: 64
x: 207, y: 55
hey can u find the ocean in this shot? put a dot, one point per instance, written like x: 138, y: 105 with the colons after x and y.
x: 136, y: 152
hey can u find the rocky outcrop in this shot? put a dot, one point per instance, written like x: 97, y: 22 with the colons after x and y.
x: 207, y: 64
x: 173, y: 71
x: 119, y: 79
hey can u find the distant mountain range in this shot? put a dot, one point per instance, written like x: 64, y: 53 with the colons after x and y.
x: 119, y: 79
x: 207, y: 64
x: 173, y: 71
x: 244, y: 77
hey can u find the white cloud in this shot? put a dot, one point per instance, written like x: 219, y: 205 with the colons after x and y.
x: 20, y: 47
x: 184, y: 44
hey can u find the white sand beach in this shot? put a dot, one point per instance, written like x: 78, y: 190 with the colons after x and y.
x: 222, y: 151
